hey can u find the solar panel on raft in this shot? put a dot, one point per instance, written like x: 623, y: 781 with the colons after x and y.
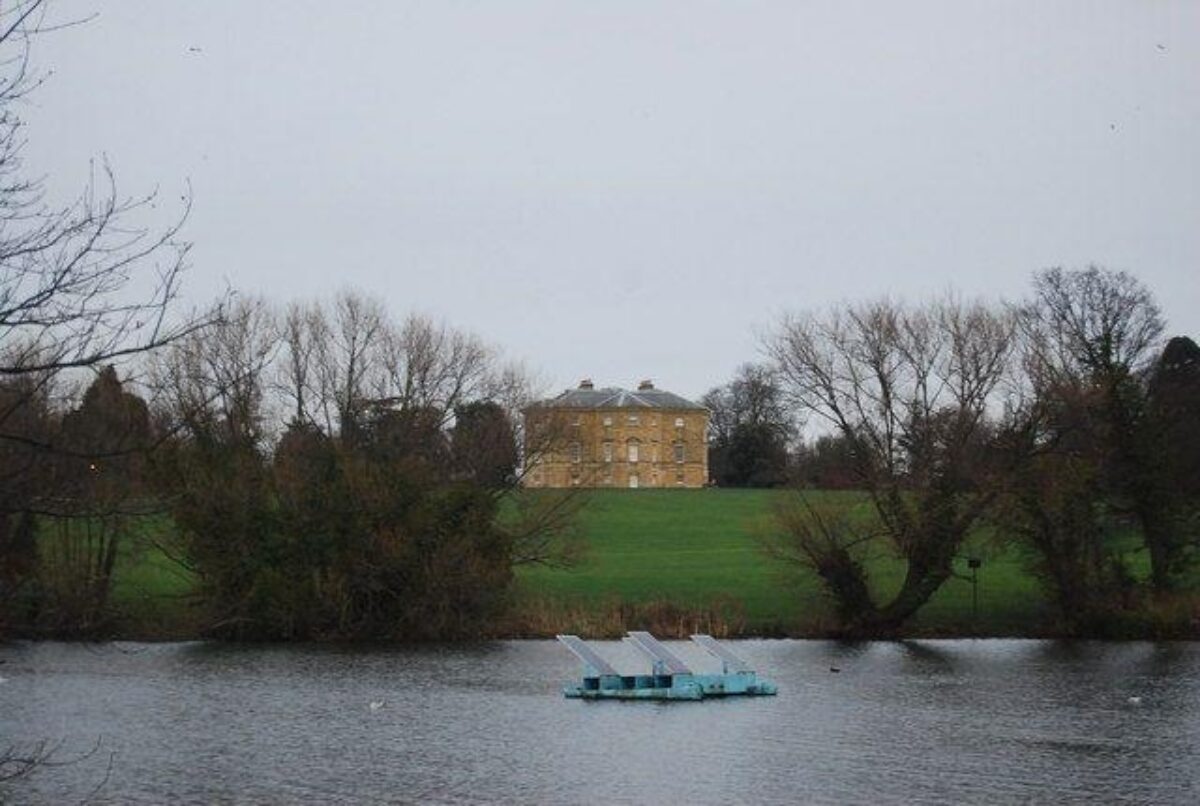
x: 732, y: 662
x: 652, y: 647
x: 588, y: 655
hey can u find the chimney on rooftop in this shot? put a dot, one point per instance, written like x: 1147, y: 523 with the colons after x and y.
x: 586, y: 383
x: 646, y: 384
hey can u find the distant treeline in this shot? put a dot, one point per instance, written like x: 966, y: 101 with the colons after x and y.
x: 324, y: 472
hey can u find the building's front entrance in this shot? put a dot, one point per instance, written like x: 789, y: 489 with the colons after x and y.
x: 633, y: 482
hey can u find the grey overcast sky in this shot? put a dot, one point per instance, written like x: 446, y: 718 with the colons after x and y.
x: 627, y: 190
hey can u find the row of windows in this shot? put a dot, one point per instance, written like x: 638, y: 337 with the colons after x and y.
x: 608, y: 479
x: 634, y: 479
x: 632, y: 451
x: 633, y: 419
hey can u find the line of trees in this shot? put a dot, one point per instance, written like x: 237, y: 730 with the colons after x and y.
x: 376, y: 509
x: 322, y: 472
x: 1057, y: 420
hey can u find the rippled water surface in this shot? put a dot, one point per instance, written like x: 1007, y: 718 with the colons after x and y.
x: 929, y: 721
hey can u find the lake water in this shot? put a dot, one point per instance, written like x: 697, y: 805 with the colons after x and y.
x: 916, y: 722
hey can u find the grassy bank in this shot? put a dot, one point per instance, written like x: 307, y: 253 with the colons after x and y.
x: 673, y: 561
x: 672, y: 553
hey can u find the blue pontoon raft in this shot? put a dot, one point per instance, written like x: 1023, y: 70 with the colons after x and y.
x: 670, y: 678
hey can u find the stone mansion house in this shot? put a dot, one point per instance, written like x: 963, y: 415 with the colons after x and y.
x: 589, y: 437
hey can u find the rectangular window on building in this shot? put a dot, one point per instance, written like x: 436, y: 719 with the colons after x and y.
x: 633, y: 419
x: 679, y: 452
x: 633, y: 451
x: 608, y: 451
x: 679, y: 422
x: 607, y: 421
x: 576, y: 452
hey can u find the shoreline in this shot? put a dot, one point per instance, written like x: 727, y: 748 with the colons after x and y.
x: 148, y: 637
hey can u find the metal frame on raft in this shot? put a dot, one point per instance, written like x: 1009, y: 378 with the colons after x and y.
x: 670, y: 678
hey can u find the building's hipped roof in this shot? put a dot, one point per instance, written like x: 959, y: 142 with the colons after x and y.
x: 614, y: 398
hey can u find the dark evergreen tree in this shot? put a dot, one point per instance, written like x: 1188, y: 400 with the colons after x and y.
x: 483, y: 445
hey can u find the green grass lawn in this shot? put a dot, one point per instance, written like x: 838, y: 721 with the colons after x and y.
x: 692, y: 547
x: 151, y: 589
x: 695, y: 549
x: 684, y: 546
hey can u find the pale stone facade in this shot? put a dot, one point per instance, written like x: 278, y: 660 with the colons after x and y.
x: 590, y: 437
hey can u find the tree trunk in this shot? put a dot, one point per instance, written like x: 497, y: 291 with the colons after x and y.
x: 1158, y: 542
x: 846, y: 581
x: 920, y: 583
x: 1152, y: 507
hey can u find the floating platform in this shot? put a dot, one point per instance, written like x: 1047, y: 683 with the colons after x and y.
x: 670, y: 678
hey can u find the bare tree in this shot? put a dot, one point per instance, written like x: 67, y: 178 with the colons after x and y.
x: 357, y: 327
x: 83, y: 284
x: 304, y: 334
x: 67, y: 271
x: 1057, y: 509
x: 914, y: 391
x: 1091, y: 337
x: 18, y: 762
x: 68, y: 296
x: 214, y: 384
x: 431, y: 366
x: 821, y: 537
x: 1091, y: 322
x: 349, y: 362
x: 751, y: 429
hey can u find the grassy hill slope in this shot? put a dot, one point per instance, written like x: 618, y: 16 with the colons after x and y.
x: 694, y: 548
